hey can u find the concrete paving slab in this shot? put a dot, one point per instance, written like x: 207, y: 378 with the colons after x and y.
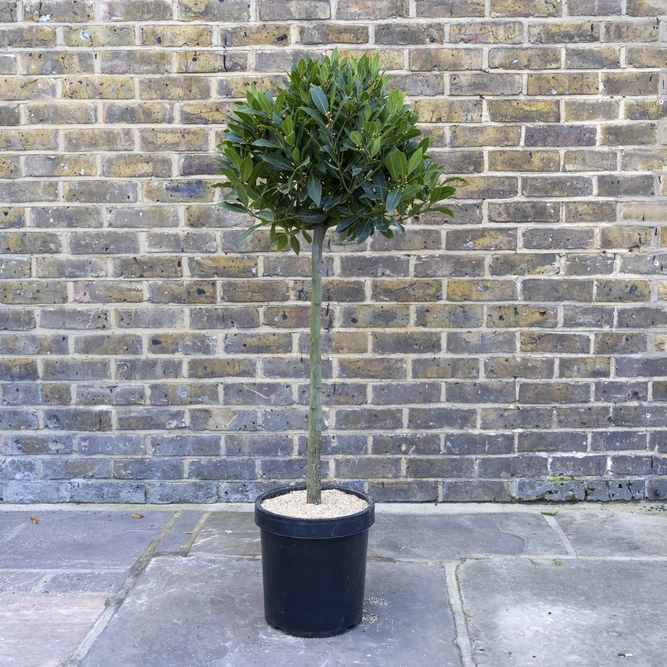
x: 10, y: 521
x: 19, y: 581
x: 615, y: 534
x: 449, y: 537
x: 100, y: 582
x: 180, y: 532
x: 204, y: 611
x: 42, y: 631
x: 551, y: 613
x: 74, y: 540
x: 227, y: 534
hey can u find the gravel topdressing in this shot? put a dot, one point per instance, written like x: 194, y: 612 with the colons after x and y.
x: 335, y: 503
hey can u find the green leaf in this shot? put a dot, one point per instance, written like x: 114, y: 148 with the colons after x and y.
x: 356, y: 138
x: 266, y: 215
x: 315, y: 189
x: 402, y: 163
x: 266, y: 143
x: 277, y: 161
x: 294, y: 244
x: 246, y: 168
x: 445, y: 210
x: 392, y: 166
x: 229, y: 206
x: 393, y: 199
x: 319, y: 99
x: 281, y: 242
x: 246, y: 234
x: 375, y: 146
x: 364, y: 230
x: 345, y: 223
x: 415, y: 160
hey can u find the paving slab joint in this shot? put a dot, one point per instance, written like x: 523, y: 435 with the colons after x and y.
x: 555, y: 526
x: 185, y: 549
x: 114, y: 602
x: 456, y: 606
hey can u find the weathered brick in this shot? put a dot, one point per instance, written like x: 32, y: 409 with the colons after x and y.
x: 631, y: 31
x: 191, y: 291
x: 133, y: 112
x: 210, y: 10
x: 593, y: 7
x: 563, y: 84
x: 539, y: 392
x: 362, y: 9
x: 629, y: 135
x: 78, y: 113
x: 565, y: 32
x: 587, y: 264
x: 618, y: 440
x: 560, y: 135
x: 448, y: 316
x: 274, y: 34
x: 92, y: 87
x: 485, y: 84
x: 589, y: 160
x: 599, y: 57
x: 523, y: 160
x: 426, y: 60
x: 56, y: 63
x: 135, y: 10
x: 555, y: 342
x: 557, y: 186
x: 71, y: 419
x: 174, y: 88
x: 645, y: 56
x: 448, y: 265
x: 645, y: 7
x: 516, y: 417
x: 147, y: 369
x: 510, y: 32
x: 448, y: 111
x: 522, y: 111
x: 522, y: 58
x: 549, y: 239
x: 551, y: 441
x: 60, y: 165
x: 521, y: 316
x: 407, y: 290
x: 481, y: 342
x: 35, y: 37
x: 504, y: 8
x: 32, y: 292
x: 481, y: 290
x: 98, y: 35
x: 91, y: 191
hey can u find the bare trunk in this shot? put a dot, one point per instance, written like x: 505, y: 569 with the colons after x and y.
x: 313, y: 474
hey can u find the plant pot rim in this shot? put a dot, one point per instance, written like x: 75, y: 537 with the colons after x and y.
x: 306, y: 528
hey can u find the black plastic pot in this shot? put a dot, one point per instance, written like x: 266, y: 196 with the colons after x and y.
x: 314, y: 570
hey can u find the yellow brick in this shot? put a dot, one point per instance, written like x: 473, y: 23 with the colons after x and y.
x: 448, y: 111
x: 170, y: 139
x: 487, y: 135
x: 487, y: 32
x: 28, y: 37
x: 10, y: 166
x: 524, y: 160
x: 389, y: 58
x: 236, y: 86
x: 170, y: 35
x: 205, y: 112
x: 422, y: 60
x: 98, y: 139
x: 27, y: 140
x: 521, y: 111
x: 501, y: 8
x: 174, y: 88
x: 524, y: 58
x: 60, y: 165
x: 98, y: 87
x: 78, y: 113
x: 564, y: 32
x: 275, y: 34
x: 585, y: 83
x: 646, y: 211
x: 57, y: 62
x: 136, y: 166
x: 16, y: 88
x: 662, y: 291
x: 208, y: 61
x: 481, y: 290
x: 97, y: 35
x: 591, y: 110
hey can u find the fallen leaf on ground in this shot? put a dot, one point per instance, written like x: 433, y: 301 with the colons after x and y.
x: 137, y: 516
x: 34, y: 519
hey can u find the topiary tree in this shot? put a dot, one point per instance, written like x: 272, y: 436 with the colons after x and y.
x: 333, y: 149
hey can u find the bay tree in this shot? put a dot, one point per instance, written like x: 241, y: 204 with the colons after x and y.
x: 332, y: 150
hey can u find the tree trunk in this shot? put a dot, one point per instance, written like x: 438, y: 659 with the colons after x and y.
x: 313, y: 474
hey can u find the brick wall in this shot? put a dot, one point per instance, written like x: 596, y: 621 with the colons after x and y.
x: 517, y: 352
